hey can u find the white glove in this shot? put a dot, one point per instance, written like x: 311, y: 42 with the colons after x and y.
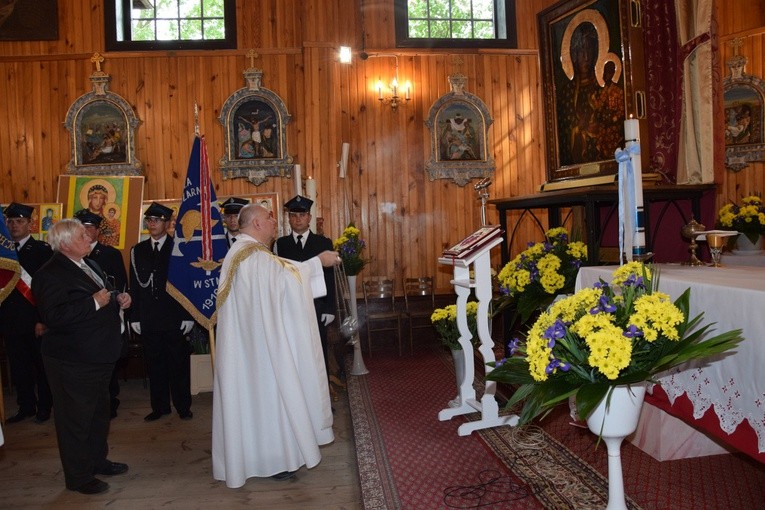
x: 136, y: 327
x: 186, y: 327
x: 327, y: 319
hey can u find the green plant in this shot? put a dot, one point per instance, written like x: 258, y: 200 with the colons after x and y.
x: 350, y: 245
x: 608, y: 335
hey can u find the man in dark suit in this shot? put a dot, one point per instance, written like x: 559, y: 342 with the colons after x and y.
x: 301, y: 245
x: 231, y: 208
x: 82, y: 313
x: 160, y: 320
x: 20, y: 325
x: 110, y: 261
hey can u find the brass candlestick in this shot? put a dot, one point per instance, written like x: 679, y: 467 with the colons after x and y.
x: 689, y: 231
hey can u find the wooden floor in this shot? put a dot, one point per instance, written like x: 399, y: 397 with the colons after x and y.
x: 170, y: 465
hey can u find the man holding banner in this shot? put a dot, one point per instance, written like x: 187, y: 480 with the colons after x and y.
x: 20, y: 325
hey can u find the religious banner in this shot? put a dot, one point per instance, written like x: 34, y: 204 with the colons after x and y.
x: 9, y: 261
x: 200, y: 243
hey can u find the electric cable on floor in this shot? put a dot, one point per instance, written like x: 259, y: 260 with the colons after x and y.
x: 493, y: 488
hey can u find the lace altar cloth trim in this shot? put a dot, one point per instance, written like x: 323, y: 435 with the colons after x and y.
x: 693, y: 382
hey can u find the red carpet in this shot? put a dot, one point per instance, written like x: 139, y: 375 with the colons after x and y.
x: 409, y: 460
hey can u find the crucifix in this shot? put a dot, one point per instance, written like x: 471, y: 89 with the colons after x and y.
x: 97, y: 58
x: 736, y: 44
x: 252, y: 55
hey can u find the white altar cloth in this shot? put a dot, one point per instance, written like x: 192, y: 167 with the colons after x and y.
x: 742, y: 258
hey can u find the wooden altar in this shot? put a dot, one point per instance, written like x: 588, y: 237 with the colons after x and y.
x: 600, y: 205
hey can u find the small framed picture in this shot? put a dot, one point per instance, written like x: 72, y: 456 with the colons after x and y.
x: 255, y: 122
x: 744, y: 102
x: 102, y: 128
x: 459, y: 123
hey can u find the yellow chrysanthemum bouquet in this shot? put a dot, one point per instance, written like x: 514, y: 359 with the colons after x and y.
x: 612, y: 334
x: 747, y: 218
x: 535, y: 276
x: 445, y: 322
x: 350, y: 245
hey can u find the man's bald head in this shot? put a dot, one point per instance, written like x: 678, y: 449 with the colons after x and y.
x: 257, y: 222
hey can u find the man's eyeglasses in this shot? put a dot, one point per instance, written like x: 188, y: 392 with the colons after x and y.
x: 153, y: 220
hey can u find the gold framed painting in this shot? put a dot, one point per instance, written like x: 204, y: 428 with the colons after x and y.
x: 592, y: 75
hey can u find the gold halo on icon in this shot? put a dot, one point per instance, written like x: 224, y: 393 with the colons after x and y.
x: 112, y: 205
x: 111, y: 194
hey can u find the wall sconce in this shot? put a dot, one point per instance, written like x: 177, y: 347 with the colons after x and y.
x: 394, y: 99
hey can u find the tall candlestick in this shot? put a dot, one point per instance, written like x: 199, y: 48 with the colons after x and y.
x: 298, y: 180
x: 632, y: 138
x: 310, y: 191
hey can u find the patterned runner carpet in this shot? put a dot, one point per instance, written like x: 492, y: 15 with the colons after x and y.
x: 409, y: 460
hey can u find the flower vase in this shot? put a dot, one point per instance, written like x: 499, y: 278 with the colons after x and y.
x: 743, y: 243
x: 613, y: 421
x: 358, y: 367
x: 459, y: 373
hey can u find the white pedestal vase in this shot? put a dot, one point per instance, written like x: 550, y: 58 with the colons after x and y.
x: 459, y: 373
x: 744, y: 244
x: 614, y: 419
x: 358, y: 367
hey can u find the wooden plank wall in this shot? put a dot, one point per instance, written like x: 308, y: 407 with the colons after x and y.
x: 405, y: 218
x: 745, y: 20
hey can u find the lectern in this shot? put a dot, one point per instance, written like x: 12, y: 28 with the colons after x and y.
x: 479, y: 261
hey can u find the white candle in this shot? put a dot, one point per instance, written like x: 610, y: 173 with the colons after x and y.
x: 632, y: 138
x: 298, y: 180
x: 310, y: 191
x: 631, y: 130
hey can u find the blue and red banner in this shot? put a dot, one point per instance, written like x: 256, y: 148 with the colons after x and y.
x: 200, y: 242
x: 10, y: 270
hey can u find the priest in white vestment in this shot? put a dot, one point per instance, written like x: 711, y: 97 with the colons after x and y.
x: 271, y: 404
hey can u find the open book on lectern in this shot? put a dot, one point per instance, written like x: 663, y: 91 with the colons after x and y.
x: 473, y: 242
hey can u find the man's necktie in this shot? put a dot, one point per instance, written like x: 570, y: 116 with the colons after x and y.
x: 233, y: 240
x: 300, y: 241
x: 92, y: 274
x: 156, y: 247
x: 16, y: 244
